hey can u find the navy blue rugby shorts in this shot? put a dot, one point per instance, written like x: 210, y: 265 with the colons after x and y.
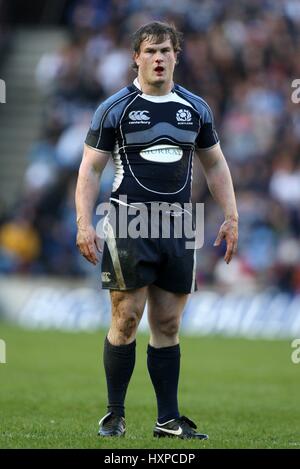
x: 134, y: 256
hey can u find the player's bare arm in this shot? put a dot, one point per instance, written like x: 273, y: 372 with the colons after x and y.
x: 219, y: 181
x: 91, y: 167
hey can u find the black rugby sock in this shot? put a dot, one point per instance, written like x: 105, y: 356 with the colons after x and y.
x: 163, y: 366
x: 119, y: 361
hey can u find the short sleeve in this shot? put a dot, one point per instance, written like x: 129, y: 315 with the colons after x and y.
x: 102, y: 132
x: 207, y: 136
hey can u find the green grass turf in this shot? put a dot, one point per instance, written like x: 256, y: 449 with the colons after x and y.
x: 244, y: 393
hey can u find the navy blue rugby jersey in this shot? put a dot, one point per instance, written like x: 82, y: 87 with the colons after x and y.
x: 152, y: 140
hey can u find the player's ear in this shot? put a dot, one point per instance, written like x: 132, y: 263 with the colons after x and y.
x: 135, y: 58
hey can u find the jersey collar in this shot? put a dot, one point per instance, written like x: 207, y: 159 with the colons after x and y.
x: 136, y: 83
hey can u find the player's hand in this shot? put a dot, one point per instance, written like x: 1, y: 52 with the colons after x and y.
x: 229, y: 232
x: 88, y: 243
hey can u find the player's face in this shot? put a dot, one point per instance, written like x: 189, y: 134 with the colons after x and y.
x: 156, y: 62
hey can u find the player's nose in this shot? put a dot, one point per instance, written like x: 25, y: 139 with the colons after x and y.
x: 159, y: 57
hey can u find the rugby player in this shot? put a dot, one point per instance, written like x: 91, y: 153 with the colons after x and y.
x: 152, y: 129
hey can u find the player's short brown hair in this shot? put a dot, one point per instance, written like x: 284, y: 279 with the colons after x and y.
x: 158, y: 31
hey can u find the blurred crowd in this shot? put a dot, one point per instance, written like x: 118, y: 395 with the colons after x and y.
x: 5, y: 31
x: 241, y: 57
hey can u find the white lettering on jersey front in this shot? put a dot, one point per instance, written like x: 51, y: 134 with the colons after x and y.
x: 139, y: 117
x: 162, y: 153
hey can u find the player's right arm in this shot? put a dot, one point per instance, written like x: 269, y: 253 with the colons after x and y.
x: 91, y: 167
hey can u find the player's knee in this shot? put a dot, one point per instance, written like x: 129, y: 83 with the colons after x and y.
x: 127, y: 324
x: 125, y: 318
x: 169, y: 326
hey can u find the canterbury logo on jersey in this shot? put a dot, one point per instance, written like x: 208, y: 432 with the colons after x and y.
x: 139, y: 117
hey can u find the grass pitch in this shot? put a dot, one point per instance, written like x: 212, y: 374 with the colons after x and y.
x: 244, y: 394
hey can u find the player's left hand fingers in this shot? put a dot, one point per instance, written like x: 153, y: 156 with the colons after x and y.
x: 231, y: 250
x: 235, y: 246
x: 219, y: 238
